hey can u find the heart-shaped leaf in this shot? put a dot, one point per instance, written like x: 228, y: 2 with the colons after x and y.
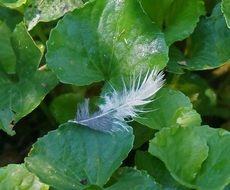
x: 75, y: 157
x: 102, y: 40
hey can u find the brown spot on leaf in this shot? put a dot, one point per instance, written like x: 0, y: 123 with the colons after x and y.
x: 83, y: 181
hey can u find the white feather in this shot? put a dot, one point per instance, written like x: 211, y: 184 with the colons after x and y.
x: 121, y: 105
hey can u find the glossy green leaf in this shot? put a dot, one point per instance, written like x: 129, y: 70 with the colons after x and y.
x: 169, y: 108
x: 102, y: 41
x: 23, y: 92
x: 226, y: 10
x: 48, y: 10
x: 195, y: 156
x: 129, y: 178
x: 176, y: 18
x: 75, y: 157
x: 207, y: 49
x: 157, y: 169
x: 12, y: 3
x: 7, y: 56
x: 64, y: 107
x: 15, y: 176
x: 182, y: 150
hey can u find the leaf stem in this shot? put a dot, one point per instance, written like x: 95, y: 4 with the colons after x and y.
x: 43, y: 67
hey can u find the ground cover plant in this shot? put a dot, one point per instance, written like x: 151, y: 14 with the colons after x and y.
x: 114, y: 94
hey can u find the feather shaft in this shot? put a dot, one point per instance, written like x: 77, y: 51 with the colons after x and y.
x: 119, y: 106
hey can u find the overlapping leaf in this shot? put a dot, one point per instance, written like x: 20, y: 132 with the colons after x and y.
x: 226, y: 10
x: 176, y: 18
x: 75, y: 157
x: 16, y: 176
x: 12, y: 3
x: 8, y: 21
x: 197, y: 157
x: 170, y: 108
x: 157, y: 169
x: 207, y: 49
x: 202, y: 96
x: 176, y: 61
x: 64, y: 106
x: 102, y: 40
x: 23, y: 92
x: 142, y: 134
x: 10, y: 17
x: 7, y: 56
x: 129, y: 178
x: 48, y: 10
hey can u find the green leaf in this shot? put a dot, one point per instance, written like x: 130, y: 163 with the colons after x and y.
x: 157, y: 169
x: 182, y: 150
x: 142, y: 134
x: 75, y: 157
x: 225, y: 6
x: 202, y: 96
x: 12, y: 3
x: 94, y: 187
x: 207, y: 49
x: 223, y: 110
x: 215, y: 171
x: 169, y: 108
x: 33, y: 84
x: 15, y: 176
x: 10, y: 17
x: 8, y: 20
x: 64, y: 107
x: 23, y: 92
x: 176, y: 61
x: 7, y: 56
x: 48, y: 10
x: 200, y: 158
x: 186, y: 117
x: 108, y: 43
x: 129, y: 178
x: 6, y: 116
x: 176, y: 18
